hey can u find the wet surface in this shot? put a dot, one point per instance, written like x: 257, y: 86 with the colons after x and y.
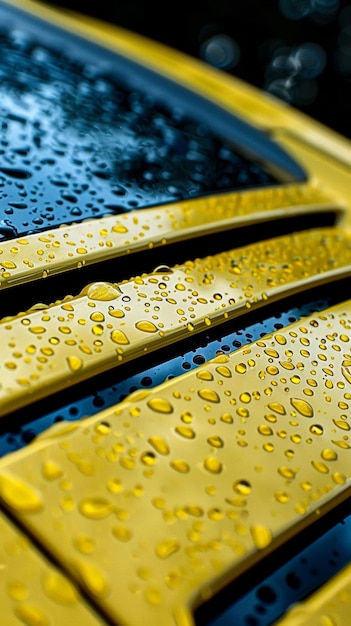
x: 77, y: 144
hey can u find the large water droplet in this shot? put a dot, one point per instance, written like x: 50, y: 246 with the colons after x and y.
x: 19, y: 495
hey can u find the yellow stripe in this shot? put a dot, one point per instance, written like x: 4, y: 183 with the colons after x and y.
x: 33, y: 592
x: 156, y: 503
x: 51, y: 348
x: 70, y: 247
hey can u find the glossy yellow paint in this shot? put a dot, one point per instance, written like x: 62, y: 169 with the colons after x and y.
x: 33, y: 592
x: 155, y: 504
x: 329, y: 606
x: 70, y: 247
x: 50, y: 348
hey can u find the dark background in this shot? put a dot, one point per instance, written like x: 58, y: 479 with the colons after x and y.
x: 299, y: 50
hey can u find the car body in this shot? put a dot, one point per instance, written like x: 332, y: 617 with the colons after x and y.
x: 175, y: 253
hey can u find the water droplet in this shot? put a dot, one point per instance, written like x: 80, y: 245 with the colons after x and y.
x: 303, y: 407
x: 329, y: 455
x: 209, y: 395
x: 215, y: 441
x: 316, y: 429
x: 96, y: 508
x: 160, y: 445
x: 51, y: 470
x: 19, y: 495
x: 84, y: 544
x: 101, y: 291
x: 185, y: 431
x: 148, y: 458
x: 17, y: 590
x: 224, y: 371
x: 287, y: 472
x: 160, y: 405
x: 243, y: 487
x: 31, y: 615
x: 265, y: 430
x: 93, y: 579
x: 166, y: 548
x: 180, y: 466
x: 119, y: 337
x: 59, y: 589
x: 320, y: 467
x: 146, y: 327
x: 240, y: 368
x: 75, y: 364
x: 213, y: 465
x: 122, y: 533
x: 153, y: 596
x: 261, y: 536
x: 277, y: 408
x: 281, y: 496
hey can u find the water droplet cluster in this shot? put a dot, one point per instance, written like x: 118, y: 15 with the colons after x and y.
x: 77, y: 141
x: 216, y: 463
x: 33, y: 592
x: 70, y: 247
x: 108, y: 324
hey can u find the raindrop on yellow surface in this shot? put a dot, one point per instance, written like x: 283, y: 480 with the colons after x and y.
x: 97, y: 317
x: 160, y: 405
x: 59, y: 589
x: 84, y: 544
x: 303, y: 407
x: 118, y: 313
x: 224, y: 371
x: 96, y: 508
x: 119, y: 337
x: 316, y: 429
x: 287, y: 472
x: 261, y: 536
x: 209, y: 395
x: 204, y: 375
x: 51, y: 470
x: 242, y: 487
x: 320, y: 467
x: 213, y: 465
x: 185, y: 431
x: 94, y: 580
x: 103, y: 428
x: 119, y: 228
x: 153, y: 596
x: 215, y: 441
x: 227, y: 418
x: 281, y: 496
x: 37, y: 330
x: 338, y: 478
x: 265, y: 430
x: 341, y: 424
x: 102, y: 291
x: 240, y: 368
x: 148, y: 458
x: 122, y: 533
x: 31, y: 615
x: 166, y: 548
x: 329, y: 455
x: 19, y: 495
x: 159, y: 444
x: 17, y: 590
x: 146, y: 327
x: 74, y: 363
x: 180, y: 466
x: 277, y: 408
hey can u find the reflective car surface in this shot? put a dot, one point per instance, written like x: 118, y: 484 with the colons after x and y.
x: 175, y: 392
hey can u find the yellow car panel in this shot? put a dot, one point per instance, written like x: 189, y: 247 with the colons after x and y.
x: 73, y: 246
x: 155, y: 504
x: 108, y: 324
x: 32, y: 591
